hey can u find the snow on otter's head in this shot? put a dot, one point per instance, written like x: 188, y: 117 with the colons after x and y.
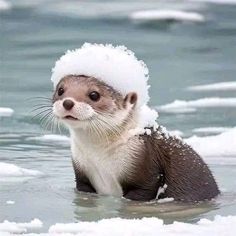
x: 116, y: 66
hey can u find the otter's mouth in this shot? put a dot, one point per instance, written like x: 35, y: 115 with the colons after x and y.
x: 70, y: 118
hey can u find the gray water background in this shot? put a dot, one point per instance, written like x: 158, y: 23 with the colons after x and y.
x: 33, y: 34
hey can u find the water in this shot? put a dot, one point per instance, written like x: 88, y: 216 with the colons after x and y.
x: 35, y: 33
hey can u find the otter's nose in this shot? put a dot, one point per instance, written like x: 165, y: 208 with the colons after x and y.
x: 68, y: 104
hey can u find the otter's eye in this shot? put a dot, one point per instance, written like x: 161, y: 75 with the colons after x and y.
x: 94, y: 96
x: 60, y: 91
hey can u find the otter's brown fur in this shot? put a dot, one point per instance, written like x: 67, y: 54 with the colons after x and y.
x: 164, y: 160
x: 158, y: 159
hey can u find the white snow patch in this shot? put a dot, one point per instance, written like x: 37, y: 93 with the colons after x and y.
x: 5, y: 111
x: 165, y: 15
x: 116, y: 66
x: 212, y: 130
x: 181, y: 105
x: 19, y: 228
x: 223, y: 86
x: 4, y: 5
x: 221, y: 225
x: 161, y: 190
x: 165, y: 200
x: 176, y: 133
x: 10, y: 202
x: 221, y: 145
x: 230, y: 2
x: 148, y: 226
x: 51, y: 137
x: 147, y: 117
x: 10, y: 171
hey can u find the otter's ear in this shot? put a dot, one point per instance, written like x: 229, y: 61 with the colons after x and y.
x: 131, y: 98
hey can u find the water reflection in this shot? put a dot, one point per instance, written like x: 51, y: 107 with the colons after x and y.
x: 91, y: 207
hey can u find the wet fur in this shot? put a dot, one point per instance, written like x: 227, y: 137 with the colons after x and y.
x: 134, y: 166
x: 162, y: 161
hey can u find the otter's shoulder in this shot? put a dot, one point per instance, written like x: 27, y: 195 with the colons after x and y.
x: 187, y: 176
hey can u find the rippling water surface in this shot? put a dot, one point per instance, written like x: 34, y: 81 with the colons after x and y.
x: 179, y: 54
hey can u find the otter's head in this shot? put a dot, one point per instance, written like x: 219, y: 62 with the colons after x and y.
x: 86, y: 102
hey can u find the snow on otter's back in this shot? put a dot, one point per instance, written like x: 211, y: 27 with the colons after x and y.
x: 116, y: 66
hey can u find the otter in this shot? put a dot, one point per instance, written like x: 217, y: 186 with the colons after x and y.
x: 108, y: 155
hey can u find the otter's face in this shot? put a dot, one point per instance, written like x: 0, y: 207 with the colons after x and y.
x: 86, y: 102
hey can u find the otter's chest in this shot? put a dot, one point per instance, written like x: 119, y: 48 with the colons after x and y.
x: 105, y: 168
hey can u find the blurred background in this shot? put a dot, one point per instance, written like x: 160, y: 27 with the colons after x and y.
x: 190, y: 50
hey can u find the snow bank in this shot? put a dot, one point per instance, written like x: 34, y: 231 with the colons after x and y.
x: 10, y: 170
x: 116, y: 66
x: 19, y: 228
x: 165, y: 15
x: 224, y: 86
x: 51, y: 137
x: 212, y: 130
x: 148, y: 226
x: 118, y: 227
x: 4, y: 5
x: 180, y: 106
x: 5, y: 111
x: 221, y: 145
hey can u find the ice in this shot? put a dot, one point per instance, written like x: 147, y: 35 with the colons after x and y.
x: 221, y: 145
x: 217, y: 1
x: 11, y: 171
x: 220, y: 225
x: 148, y: 226
x: 223, y: 86
x: 19, y: 228
x: 165, y: 200
x: 51, y: 137
x: 5, y: 111
x: 4, y: 5
x: 10, y: 202
x: 165, y: 15
x: 178, y: 106
x: 213, y: 130
x: 176, y: 133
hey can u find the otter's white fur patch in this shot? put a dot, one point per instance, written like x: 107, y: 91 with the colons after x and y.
x: 104, y: 165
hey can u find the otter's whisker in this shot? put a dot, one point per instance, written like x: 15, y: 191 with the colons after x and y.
x: 38, y: 115
x: 40, y: 110
x: 39, y: 98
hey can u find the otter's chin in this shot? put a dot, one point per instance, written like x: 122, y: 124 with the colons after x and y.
x: 72, y: 122
x: 69, y: 117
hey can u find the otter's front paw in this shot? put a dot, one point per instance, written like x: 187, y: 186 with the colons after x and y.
x: 140, y: 195
x: 84, y: 187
